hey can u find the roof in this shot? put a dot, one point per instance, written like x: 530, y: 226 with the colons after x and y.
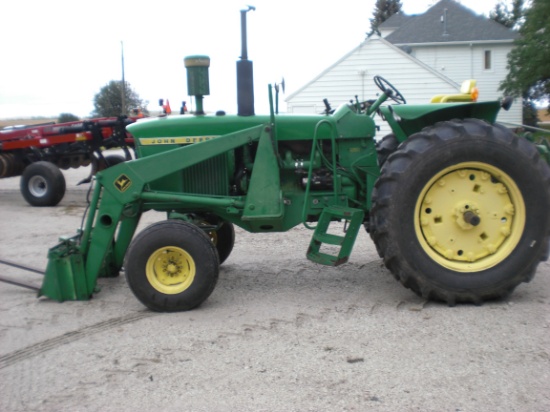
x: 365, y: 43
x: 395, y: 20
x: 446, y: 21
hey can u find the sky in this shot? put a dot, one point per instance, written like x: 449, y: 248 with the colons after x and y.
x: 57, y: 54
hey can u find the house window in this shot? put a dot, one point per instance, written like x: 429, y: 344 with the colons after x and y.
x: 487, y: 62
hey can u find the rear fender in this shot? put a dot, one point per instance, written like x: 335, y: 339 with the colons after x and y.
x: 406, y: 120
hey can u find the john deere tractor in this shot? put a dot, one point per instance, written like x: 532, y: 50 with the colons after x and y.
x: 456, y: 204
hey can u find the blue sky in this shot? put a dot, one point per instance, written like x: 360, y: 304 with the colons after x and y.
x: 57, y: 54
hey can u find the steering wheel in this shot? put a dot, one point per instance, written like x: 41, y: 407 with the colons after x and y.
x: 389, y: 89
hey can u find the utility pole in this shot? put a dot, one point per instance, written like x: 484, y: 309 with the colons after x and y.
x: 123, y: 89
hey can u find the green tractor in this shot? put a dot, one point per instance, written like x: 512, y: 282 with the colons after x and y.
x: 456, y: 204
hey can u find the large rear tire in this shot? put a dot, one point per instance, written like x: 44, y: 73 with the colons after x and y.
x: 385, y: 147
x: 172, y: 266
x: 460, y: 212
x: 42, y: 184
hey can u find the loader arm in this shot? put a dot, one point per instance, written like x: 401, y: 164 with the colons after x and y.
x: 117, y: 203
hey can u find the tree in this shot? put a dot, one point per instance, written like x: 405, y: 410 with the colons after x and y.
x: 509, y: 18
x: 67, y: 117
x: 529, y: 61
x: 383, y: 10
x: 108, y: 102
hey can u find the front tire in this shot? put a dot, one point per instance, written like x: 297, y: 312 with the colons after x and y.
x: 42, y: 184
x: 172, y: 266
x: 460, y: 212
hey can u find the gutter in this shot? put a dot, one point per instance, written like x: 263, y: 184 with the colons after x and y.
x: 455, y: 43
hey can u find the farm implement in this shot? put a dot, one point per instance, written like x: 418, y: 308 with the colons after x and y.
x: 456, y: 204
x: 38, y: 152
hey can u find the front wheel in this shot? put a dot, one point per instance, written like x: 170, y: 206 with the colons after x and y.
x: 172, y: 266
x: 460, y: 212
x: 42, y: 184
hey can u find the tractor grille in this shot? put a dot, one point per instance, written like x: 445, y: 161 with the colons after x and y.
x: 210, y: 177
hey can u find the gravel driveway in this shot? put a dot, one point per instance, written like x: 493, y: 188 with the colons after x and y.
x: 279, y: 333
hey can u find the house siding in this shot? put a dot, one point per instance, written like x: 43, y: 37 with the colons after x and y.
x: 462, y: 62
x: 353, y: 76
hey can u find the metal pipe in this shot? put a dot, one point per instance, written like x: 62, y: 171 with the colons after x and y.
x: 19, y: 266
x: 191, y: 200
x: 21, y: 284
x: 244, y: 51
x: 245, y: 75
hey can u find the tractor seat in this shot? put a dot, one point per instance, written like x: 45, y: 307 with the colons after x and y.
x: 468, y: 93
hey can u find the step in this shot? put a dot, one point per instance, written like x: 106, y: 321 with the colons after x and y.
x: 344, y: 243
x: 329, y: 239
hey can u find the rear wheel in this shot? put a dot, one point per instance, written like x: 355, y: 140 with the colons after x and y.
x: 42, y: 184
x: 460, y: 212
x: 385, y: 147
x: 172, y: 266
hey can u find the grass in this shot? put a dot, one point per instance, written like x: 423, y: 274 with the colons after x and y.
x: 31, y: 121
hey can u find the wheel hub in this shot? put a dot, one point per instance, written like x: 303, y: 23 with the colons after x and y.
x: 471, y: 218
x: 170, y: 270
x: 467, y: 215
x: 37, y: 186
x: 467, y: 218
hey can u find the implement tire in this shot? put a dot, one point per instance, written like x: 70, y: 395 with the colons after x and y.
x: 460, y: 212
x: 172, y: 266
x: 107, y: 161
x: 42, y: 184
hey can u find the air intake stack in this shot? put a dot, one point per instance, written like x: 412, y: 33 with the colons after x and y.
x: 245, y: 77
x: 197, y: 79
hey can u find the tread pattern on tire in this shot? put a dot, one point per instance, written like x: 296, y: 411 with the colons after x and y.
x: 385, y: 147
x: 139, y: 252
x: 400, y: 162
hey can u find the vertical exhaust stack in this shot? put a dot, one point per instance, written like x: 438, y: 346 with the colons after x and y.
x: 245, y: 77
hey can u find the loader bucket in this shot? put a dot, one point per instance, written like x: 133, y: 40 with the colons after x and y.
x: 65, y: 277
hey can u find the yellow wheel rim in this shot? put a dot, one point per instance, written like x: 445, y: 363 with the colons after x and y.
x: 469, y: 217
x: 170, y: 270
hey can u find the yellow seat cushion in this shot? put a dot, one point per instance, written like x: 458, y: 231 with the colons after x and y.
x: 468, y: 93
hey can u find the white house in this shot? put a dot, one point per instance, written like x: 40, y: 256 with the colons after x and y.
x: 421, y: 55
